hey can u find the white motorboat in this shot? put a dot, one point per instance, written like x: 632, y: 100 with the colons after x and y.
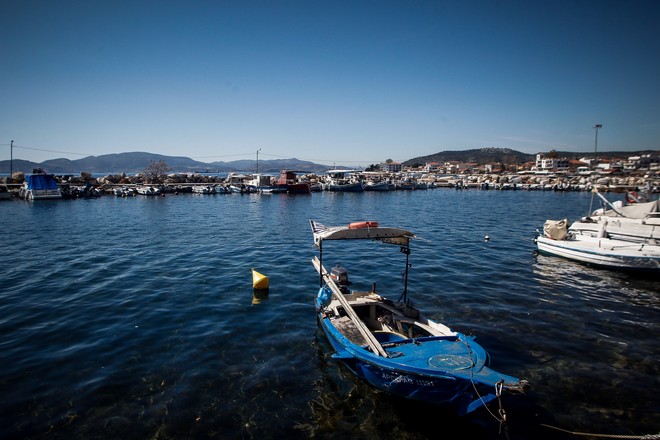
x: 203, y: 189
x: 148, y: 190
x: 622, y: 237
x: 602, y: 252
x: 638, y: 222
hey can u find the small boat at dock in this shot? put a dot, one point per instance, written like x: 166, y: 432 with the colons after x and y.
x: 289, y: 181
x: 621, y: 237
x: 5, y: 194
x: 146, y: 190
x: 40, y: 186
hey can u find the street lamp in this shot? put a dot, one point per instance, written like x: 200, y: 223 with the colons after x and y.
x: 258, y: 160
x: 597, y: 126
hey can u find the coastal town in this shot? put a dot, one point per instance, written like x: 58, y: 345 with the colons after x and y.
x: 633, y: 175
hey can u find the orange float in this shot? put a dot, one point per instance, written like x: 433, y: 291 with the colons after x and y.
x: 360, y: 225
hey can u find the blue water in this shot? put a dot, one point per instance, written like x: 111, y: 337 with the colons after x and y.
x: 135, y: 318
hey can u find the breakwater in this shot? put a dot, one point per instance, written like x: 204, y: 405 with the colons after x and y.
x: 86, y: 184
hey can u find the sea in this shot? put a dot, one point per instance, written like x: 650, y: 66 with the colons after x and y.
x: 135, y: 318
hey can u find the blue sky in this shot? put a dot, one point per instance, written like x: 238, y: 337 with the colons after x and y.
x: 348, y: 83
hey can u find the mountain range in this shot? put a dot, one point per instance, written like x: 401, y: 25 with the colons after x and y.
x: 136, y: 162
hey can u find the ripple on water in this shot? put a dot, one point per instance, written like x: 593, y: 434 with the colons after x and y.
x: 136, y: 317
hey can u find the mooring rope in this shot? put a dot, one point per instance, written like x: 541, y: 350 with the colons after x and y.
x: 636, y: 437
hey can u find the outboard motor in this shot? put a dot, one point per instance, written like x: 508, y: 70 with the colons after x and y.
x: 340, y: 276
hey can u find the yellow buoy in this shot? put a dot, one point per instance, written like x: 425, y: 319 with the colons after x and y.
x: 259, y: 280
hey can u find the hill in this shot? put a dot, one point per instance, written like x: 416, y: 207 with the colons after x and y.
x: 136, y: 162
x: 508, y: 156
x: 480, y: 156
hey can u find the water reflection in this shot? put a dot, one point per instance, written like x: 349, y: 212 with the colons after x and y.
x: 259, y: 295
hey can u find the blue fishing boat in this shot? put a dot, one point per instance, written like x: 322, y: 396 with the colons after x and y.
x: 391, y: 344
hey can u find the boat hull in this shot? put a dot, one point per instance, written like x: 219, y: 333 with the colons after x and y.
x: 45, y: 194
x: 298, y: 188
x: 603, y: 252
x: 449, y: 372
x: 348, y: 187
x: 379, y: 186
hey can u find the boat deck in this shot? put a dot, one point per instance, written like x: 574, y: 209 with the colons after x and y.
x: 348, y: 328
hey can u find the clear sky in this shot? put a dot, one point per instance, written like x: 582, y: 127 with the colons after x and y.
x: 333, y: 82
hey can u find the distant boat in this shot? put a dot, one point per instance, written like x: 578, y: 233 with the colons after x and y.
x: 5, y: 194
x: 343, y: 180
x: 290, y: 182
x: 40, y: 186
x: 259, y: 280
x: 124, y: 191
x: 148, y: 190
x: 383, y: 185
x: 203, y: 189
x: 404, y: 185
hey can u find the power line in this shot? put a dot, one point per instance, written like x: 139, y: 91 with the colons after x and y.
x: 50, y: 151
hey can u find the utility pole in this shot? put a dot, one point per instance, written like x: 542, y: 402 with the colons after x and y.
x: 597, y: 126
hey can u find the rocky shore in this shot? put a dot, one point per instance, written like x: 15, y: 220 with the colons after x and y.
x: 87, y: 185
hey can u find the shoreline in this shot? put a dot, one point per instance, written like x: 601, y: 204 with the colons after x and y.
x: 642, y: 182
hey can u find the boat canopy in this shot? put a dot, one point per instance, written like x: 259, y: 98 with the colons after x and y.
x: 41, y: 181
x: 635, y: 210
x: 395, y: 236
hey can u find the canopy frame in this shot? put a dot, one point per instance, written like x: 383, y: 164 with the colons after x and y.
x: 395, y: 236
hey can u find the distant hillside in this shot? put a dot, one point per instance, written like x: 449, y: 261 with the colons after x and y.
x: 136, y: 162
x: 508, y: 156
x: 480, y: 156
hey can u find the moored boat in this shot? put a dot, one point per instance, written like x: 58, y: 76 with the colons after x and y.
x: 203, y: 189
x: 621, y: 238
x: 635, y: 221
x: 343, y: 180
x: 147, y: 190
x: 393, y: 345
x: 5, y: 194
x: 40, y: 186
x: 124, y: 191
x: 289, y: 180
x: 382, y: 185
x: 603, y: 252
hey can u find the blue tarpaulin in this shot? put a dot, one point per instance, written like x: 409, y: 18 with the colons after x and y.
x: 41, y: 181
